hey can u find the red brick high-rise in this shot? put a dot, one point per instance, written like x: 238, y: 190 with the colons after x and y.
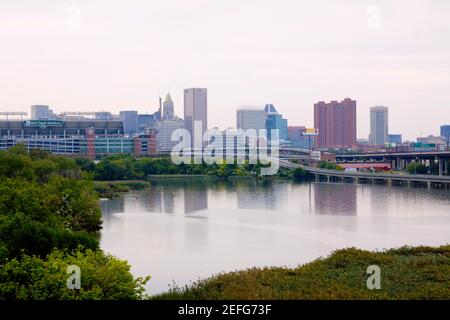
x: 336, y: 122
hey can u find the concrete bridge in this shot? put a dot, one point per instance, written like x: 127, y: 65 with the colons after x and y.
x: 400, y: 160
x: 367, y: 177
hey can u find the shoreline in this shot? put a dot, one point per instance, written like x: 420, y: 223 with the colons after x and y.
x: 344, y: 274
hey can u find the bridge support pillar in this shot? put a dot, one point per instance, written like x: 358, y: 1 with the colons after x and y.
x: 441, y: 166
x: 407, y: 163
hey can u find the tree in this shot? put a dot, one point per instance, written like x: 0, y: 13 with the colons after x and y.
x: 299, y: 174
x: 44, y: 168
x: 48, y: 207
x: 85, y: 164
x: 102, y: 277
x: 417, y: 168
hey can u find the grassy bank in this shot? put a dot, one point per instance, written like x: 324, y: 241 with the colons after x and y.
x: 110, y: 189
x: 406, y: 273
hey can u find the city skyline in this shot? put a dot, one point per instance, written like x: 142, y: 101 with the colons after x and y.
x: 124, y: 115
x: 245, y: 53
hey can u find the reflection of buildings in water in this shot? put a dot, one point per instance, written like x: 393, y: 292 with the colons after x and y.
x: 153, y: 201
x: 335, y: 199
x: 265, y: 194
x: 195, y: 198
x: 159, y: 199
x: 379, y: 200
x: 168, y: 195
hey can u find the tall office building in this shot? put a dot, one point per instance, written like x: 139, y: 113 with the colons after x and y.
x: 42, y: 112
x: 130, y: 121
x: 250, y: 118
x: 275, y: 121
x: 379, y: 126
x: 196, y: 109
x: 336, y: 122
x: 168, y: 110
x: 445, y: 133
x: 164, y: 130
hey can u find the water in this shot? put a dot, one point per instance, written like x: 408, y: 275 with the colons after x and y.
x: 186, y: 230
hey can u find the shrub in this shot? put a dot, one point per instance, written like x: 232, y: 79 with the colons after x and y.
x: 102, y: 277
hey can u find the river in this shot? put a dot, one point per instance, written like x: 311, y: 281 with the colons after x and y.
x: 180, y: 231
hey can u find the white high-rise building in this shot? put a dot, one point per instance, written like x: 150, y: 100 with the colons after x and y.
x: 165, y: 129
x: 251, y: 118
x: 196, y: 110
x: 379, y: 126
x: 42, y: 112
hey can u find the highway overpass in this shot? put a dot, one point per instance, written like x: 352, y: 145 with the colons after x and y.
x: 400, y: 160
x: 334, y: 175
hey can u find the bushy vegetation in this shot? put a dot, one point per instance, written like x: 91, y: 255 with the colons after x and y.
x: 126, y: 167
x: 406, y: 273
x: 329, y: 166
x: 102, y: 277
x: 113, y: 188
x: 49, y: 215
x: 417, y: 168
x: 299, y: 174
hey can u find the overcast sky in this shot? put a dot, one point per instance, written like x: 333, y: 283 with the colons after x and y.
x: 118, y: 55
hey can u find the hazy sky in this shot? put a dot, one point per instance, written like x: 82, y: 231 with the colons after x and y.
x: 118, y: 55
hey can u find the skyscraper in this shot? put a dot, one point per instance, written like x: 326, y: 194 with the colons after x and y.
x: 250, y: 118
x: 196, y: 109
x: 445, y: 133
x: 336, y: 122
x: 379, y: 126
x: 168, y: 110
x: 275, y: 121
x: 165, y: 129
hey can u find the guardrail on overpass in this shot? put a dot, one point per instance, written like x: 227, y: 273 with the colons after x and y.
x: 318, y: 172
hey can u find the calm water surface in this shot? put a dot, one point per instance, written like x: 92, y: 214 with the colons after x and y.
x: 185, y: 230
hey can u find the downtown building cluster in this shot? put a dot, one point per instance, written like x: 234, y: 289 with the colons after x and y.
x: 97, y: 134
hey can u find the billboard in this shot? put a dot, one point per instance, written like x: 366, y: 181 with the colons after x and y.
x: 43, y: 124
x: 310, y: 132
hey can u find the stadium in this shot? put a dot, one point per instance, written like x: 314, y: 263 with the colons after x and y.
x: 85, y: 137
